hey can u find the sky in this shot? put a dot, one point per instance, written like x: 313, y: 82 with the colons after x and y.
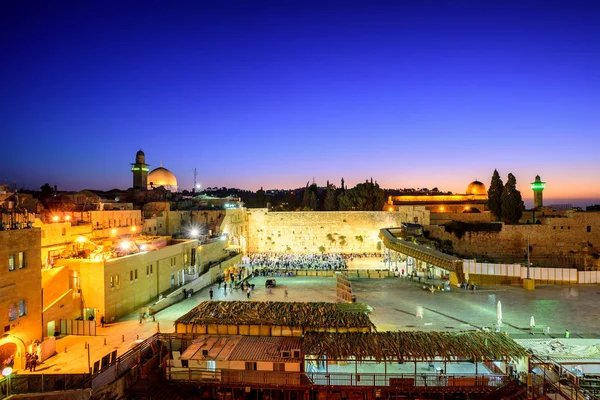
x: 416, y: 94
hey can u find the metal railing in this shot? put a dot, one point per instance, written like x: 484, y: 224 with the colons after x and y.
x: 311, y: 379
x: 558, y: 379
x: 41, y: 383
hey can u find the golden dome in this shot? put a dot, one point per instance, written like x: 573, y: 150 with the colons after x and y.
x: 476, y: 187
x: 162, y: 177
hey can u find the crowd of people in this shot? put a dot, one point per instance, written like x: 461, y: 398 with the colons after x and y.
x: 312, y: 261
x: 275, y: 261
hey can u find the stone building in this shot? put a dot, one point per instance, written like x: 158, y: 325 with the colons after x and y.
x: 20, y: 293
x: 115, y: 286
x: 474, y: 199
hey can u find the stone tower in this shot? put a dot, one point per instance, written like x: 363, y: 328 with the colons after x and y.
x: 538, y: 187
x: 140, y: 171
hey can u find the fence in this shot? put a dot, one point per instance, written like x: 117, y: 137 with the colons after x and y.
x: 33, y: 383
x: 310, y: 379
x: 569, y: 275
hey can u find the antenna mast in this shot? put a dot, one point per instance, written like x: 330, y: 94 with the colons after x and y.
x: 194, y: 188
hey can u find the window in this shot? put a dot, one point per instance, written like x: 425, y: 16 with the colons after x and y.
x: 151, y: 268
x: 118, y: 280
x: 135, y: 274
x: 12, y: 312
x: 130, y: 275
x: 22, y: 308
x: 147, y: 270
x: 588, y: 228
x: 112, y: 281
x: 16, y: 261
x: 250, y: 366
x: 278, y: 366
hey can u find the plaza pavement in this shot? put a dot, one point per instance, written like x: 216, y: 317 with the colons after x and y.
x: 394, y: 300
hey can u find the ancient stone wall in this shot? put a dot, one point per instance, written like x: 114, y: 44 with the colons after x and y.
x: 335, y: 231
x: 560, y: 242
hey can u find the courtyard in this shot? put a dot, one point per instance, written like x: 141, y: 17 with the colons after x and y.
x: 395, y: 303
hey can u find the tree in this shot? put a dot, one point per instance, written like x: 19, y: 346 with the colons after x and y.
x: 310, y: 201
x: 512, y: 202
x: 366, y: 196
x: 47, y: 191
x: 331, y: 203
x: 260, y: 198
x: 495, y: 195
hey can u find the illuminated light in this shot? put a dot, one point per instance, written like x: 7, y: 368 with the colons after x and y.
x: 441, y: 208
x: 140, y: 169
x: 391, y: 209
x: 538, y: 185
x: 81, y: 239
x: 113, y: 232
x: 194, y: 233
x: 467, y: 208
x: 55, y: 218
x: 124, y: 245
x: 143, y: 247
x: 133, y: 229
x: 223, y: 237
x: 7, y: 371
x: 68, y: 218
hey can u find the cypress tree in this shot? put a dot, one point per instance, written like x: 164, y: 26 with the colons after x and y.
x: 495, y: 195
x: 512, y: 202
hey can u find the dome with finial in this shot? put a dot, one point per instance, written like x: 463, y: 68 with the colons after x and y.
x: 162, y: 177
x: 476, y: 188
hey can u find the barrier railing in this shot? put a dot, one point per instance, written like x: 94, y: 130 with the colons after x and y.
x: 269, y: 378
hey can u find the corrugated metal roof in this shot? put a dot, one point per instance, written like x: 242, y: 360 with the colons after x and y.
x: 219, y: 347
x: 257, y: 348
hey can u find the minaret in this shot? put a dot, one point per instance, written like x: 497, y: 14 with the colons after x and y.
x: 538, y: 187
x: 140, y: 171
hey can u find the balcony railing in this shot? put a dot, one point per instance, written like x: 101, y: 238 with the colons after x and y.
x: 310, y: 379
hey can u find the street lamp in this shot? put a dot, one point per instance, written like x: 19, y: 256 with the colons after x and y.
x: 6, y: 373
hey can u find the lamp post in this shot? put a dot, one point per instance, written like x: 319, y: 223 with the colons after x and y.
x: 6, y: 373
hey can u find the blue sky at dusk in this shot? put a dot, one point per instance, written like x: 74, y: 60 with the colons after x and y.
x: 412, y: 93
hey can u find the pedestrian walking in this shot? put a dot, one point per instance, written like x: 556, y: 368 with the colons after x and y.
x: 33, y: 363
x: 102, y: 321
x: 567, y: 334
x: 285, y: 293
x: 248, y: 293
x: 225, y: 286
x: 210, y: 292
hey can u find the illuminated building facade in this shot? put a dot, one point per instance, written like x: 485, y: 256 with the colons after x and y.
x: 474, y: 200
x: 20, y: 293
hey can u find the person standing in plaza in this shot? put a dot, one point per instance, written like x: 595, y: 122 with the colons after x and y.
x: 567, y: 334
x: 102, y: 321
x: 210, y: 292
x: 225, y: 286
x: 285, y: 293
